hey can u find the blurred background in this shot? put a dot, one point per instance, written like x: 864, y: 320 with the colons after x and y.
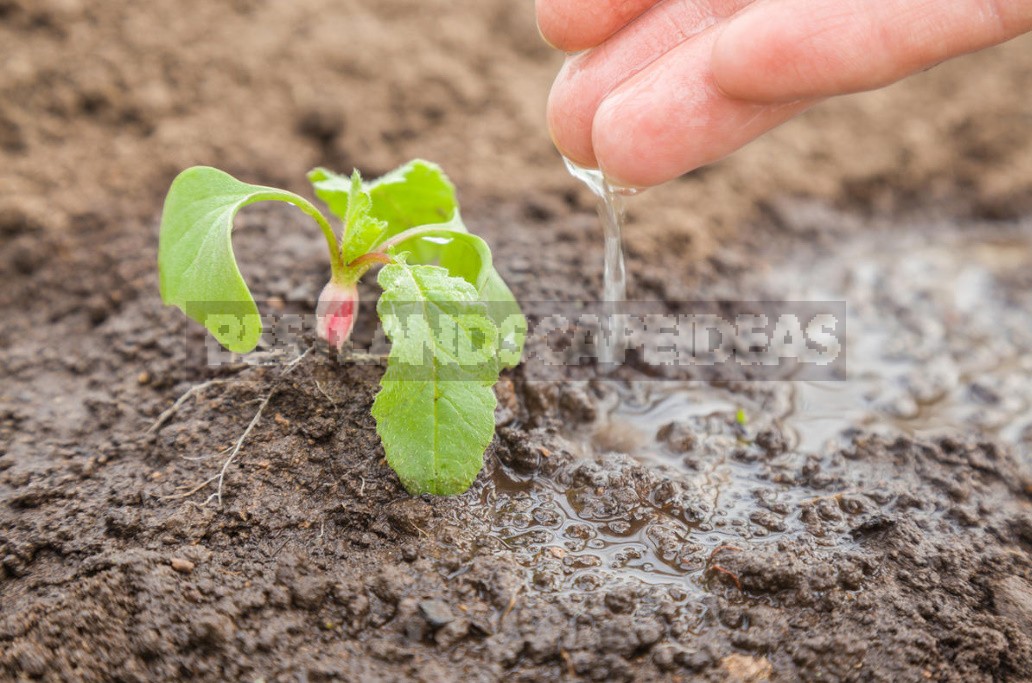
x: 101, y: 103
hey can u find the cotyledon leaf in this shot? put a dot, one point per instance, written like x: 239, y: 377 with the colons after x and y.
x: 435, y: 409
x: 197, y: 269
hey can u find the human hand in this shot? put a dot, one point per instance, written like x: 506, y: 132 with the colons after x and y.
x: 667, y: 86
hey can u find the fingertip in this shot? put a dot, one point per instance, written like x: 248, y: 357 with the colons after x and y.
x: 575, y: 25
x: 622, y: 136
x: 731, y: 56
x: 756, y: 58
x: 672, y: 119
x: 559, y: 27
x: 569, y: 117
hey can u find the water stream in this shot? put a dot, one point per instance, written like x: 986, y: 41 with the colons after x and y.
x: 611, y: 213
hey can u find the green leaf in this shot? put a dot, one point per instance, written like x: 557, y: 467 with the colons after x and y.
x: 197, y: 269
x: 349, y: 201
x: 435, y: 409
x: 418, y: 193
x: 505, y: 311
x: 468, y: 257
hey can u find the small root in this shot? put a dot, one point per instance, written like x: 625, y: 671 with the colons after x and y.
x: 571, y: 671
x: 325, y: 393
x: 221, y: 476
x: 187, y: 494
x: 721, y: 548
x: 720, y: 570
x: 512, y: 605
x: 236, y: 450
x: 294, y: 363
x: 199, y: 458
x: 170, y: 412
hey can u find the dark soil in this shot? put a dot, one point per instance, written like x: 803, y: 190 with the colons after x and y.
x: 622, y: 530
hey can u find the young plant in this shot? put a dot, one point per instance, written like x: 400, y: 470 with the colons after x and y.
x: 453, y: 323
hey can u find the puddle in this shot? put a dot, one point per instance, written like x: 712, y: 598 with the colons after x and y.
x: 939, y: 342
x: 938, y: 337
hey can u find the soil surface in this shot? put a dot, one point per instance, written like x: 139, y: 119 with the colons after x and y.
x: 624, y: 528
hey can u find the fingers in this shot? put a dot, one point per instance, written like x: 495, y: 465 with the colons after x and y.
x: 672, y: 118
x: 572, y: 25
x: 792, y: 49
x: 587, y: 78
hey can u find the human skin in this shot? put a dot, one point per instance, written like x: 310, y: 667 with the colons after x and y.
x: 661, y: 87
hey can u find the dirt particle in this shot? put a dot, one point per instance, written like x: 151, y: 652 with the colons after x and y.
x: 746, y: 669
x: 622, y: 600
x: 409, y: 516
x: 678, y: 436
x: 1012, y: 598
x: 451, y: 633
x: 436, y: 612
x: 210, y: 630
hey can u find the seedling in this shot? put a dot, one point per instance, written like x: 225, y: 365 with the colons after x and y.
x: 452, y: 321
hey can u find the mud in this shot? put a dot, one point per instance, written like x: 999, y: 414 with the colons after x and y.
x: 623, y: 529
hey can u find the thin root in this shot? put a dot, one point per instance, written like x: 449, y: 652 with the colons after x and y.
x: 325, y: 393
x: 726, y: 572
x: 170, y: 412
x: 721, y: 548
x: 512, y: 605
x: 236, y: 449
x: 187, y: 494
x: 571, y: 671
x: 294, y: 363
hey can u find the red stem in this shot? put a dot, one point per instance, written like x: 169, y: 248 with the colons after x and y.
x: 371, y: 258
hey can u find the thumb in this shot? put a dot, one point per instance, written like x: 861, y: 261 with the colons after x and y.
x: 799, y: 49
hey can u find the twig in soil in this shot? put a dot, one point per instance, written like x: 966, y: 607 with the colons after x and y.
x: 510, y: 606
x: 726, y: 572
x: 571, y: 671
x: 236, y: 449
x: 721, y: 548
x: 495, y: 538
x: 170, y: 412
x: 721, y: 570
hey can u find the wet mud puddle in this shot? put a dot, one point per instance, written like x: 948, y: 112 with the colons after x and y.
x: 670, y: 474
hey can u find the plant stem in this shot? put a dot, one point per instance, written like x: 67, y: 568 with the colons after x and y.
x: 369, y: 259
x: 410, y: 234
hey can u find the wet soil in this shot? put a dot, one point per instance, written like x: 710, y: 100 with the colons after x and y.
x: 624, y: 528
